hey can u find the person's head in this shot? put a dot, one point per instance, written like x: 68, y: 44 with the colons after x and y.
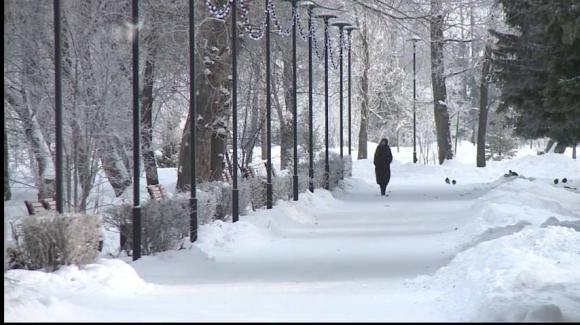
x: 384, y: 142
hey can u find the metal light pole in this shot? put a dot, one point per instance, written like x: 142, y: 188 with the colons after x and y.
x: 310, y: 7
x: 58, y: 108
x: 341, y: 26
x: 235, y: 192
x: 192, y: 125
x: 136, y: 136
x: 414, y: 39
x: 326, y: 18
x: 349, y: 29
x: 295, y: 104
x: 268, y: 112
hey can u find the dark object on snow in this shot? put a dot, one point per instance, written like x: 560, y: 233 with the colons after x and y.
x: 564, y: 180
x: 553, y: 221
x: 555, y: 181
x: 447, y: 180
x: 510, y: 173
x: 382, y: 160
x: 454, y: 182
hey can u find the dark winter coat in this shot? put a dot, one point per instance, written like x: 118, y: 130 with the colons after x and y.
x: 383, y: 159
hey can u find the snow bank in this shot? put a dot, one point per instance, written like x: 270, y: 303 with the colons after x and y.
x: 532, y: 275
x: 53, y: 295
x: 523, y: 200
x: 225, y: 237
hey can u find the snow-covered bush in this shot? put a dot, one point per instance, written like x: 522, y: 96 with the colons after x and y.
x: 281, y: 188
x: 221, y: 207
x: 256, y: 189
x: 165, y: 224
x: 336, y: 168
x: 48, y: 241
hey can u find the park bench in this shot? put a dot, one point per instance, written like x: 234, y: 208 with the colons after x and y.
x: 157, y: 192
x: 42, y: 206
x: 226, y: 175
x: 47, y: 206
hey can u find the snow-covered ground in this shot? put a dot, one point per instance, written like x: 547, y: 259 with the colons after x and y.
x: 485, y: 249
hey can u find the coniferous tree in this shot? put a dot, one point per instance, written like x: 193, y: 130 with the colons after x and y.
x: 538, y: 68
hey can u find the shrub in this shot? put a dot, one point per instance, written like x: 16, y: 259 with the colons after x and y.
x: 48, y: 241
x: 165, y: 224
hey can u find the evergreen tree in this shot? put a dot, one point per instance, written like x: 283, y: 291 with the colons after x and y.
x: 501, y: 143
x: 538, y: 68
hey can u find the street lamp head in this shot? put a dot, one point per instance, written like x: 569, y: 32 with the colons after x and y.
x: 308, y: 4
x: 415, y: 39
x: 326, y: 17
x: 349, y: 29
x: 341, y: 24
x: 293, y: 2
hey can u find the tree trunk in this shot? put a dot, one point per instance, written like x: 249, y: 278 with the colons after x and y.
x: 574, y: 151
x: 438, y: 80
x: 550, y: 145
x: 147, y: 118
x: 483, y: 88
x: 7, y: 192
x: 287, y: 129
x: 560, y: 148
x: 364, y: 110
x: 213, y: 102
x: 46, y: 177
x: 254, y: 126
x: 115, y: 164
x: 263, y: 137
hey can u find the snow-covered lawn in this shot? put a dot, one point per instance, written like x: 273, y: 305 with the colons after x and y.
x: 480, y: 250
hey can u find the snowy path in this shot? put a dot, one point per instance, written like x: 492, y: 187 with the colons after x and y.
x: 361, y: 243
x: 346, y: 255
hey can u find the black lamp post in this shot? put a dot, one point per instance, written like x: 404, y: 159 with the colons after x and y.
x: 414, y: 39
x: 235, y: 192
x: 192, y: 125
x: 58, y: 108
x: 349, y: 29
x: 268, y: 112
x: 341, y: 26
x: 310, y: 7
x: 326, y: 18
x: 295, y: 104
x: 136, y: 135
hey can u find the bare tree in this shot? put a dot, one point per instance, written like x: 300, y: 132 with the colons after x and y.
x: 213, y: 100
x: 438, y: 79
x: 364, y: 89
x: 483, y: 106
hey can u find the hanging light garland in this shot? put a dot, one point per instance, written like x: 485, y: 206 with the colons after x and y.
x: 217, y: 11
x: 301, y: 28
x: 278, y: 28
x: 331, y: 52
x: 255, y: 32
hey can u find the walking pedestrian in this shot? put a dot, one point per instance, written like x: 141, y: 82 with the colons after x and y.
x: 382, y: 161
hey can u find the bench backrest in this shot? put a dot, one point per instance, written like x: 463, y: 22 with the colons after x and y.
x: 157, y: 192
x: 36, y: 207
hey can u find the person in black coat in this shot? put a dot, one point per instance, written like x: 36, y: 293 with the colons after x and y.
x: 382, y: 161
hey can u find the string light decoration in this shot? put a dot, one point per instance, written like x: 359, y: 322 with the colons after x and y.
x: 278, y: 28
x: 255, y: 32
x: 330, y: 51
x: 303, y: 34
x: 218, y: 12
